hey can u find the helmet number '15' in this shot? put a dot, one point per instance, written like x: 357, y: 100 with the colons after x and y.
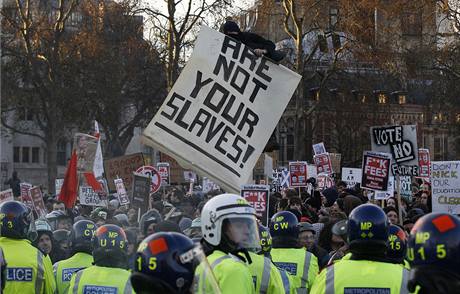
x: 152, y: 263
x: 440, y: 252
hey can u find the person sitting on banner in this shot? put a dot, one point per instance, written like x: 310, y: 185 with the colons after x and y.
x: 260, y: 45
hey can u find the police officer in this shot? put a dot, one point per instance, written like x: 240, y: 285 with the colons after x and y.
x: 434, y: 254
x: 366, y: 271
x: 229, y: 228
x: 109, y: 273
x: 397, y: 245
x: 165, y: 263
x: 266, y: 247
x: 28, y: 270
x: 80, y: 243
x: 288, y: 255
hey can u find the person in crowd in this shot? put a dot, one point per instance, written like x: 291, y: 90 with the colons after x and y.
x: 365, y: 270
x: 391, y: 201
x: 59, y: 220
x: 307, y: 240
x: 392, y: 215
x: 229, y: 228
x: 109, y: 274
x: 80, y: 244
x: 287, y: 253
x: 260, y: 45
x: 59, y: 206
x: 15, y: 184
x: 397, y: 245
x: 434, y: 254
x: 195, y: 229
x: 339, y: 242
x: 61, y: 248
x: 28, y: 269
x: 44, y: 240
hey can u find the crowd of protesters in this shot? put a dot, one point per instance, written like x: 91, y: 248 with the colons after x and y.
x: 321, y: 217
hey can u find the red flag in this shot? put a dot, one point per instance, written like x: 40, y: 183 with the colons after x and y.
x: 91, y: 180
x: 69, y: 189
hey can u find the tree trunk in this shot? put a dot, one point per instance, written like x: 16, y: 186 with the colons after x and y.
x: 300, y: 127
x: 51, y: 156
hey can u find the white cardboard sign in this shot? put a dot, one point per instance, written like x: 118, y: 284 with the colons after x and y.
x: 223, y: 108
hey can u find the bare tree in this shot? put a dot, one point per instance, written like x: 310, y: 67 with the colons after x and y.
x: 174, y: 27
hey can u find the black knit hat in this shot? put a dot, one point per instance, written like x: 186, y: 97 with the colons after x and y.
x: 231, y: 26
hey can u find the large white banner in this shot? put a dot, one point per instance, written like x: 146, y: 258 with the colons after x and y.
x: 222, y: 110
x: 445, y: 185
x: 401, y: 143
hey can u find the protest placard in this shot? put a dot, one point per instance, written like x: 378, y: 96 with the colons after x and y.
x: 375, y: 171
x: 140, y: 191
x: 324, y: 181
x: 424, y: 163
x: 25, y: 195
x: 163, y: 169
x: 85, y: 146
x: 335, y: 159
x: 121, y: 191
x: 258, y: 198
x: 445, y: 186
x: 222, y: 110
x: 319, y: 148
x: 351, y: 176
x: 209, y: 185
x: 401, y: 143
x: 382, y: 195
x: 298, y: 174
x: 37, y: 197
x: 190, y: 176
x: 88, y: 197
x: 155, y: 177
x: 6, y: 195
x: 122, y: 167
x: 323, y: 163
x: 405, y: 184
x: 58, y: 185
x: 312, y: 171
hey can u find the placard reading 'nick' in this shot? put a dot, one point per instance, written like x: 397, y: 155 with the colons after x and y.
x: 222, y: 109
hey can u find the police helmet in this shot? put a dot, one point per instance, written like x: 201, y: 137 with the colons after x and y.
x: 110, y: 246
x: 265, y: 240
x: 367, y: 229
x: 397, y: 244
x: 435, y: 241
x: 164, y: 264
x: 81, y: 235
x: 15, y: 220
x: 229, y: 222
x: 284, y: 224
x: 433, y: 252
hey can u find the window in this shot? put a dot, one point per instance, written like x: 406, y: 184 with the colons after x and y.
x: 61, y: 153
x: 336, y: 41
x: 402, y: 99
x: 290, y: 147
x: 35, y: 155
x: 322, y: 42
x: 16, y: 154
x: 411, y: 23
x: 25, y: 114
x: 333, y: 16
x: 382, y: 98
x: 25, y: 154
